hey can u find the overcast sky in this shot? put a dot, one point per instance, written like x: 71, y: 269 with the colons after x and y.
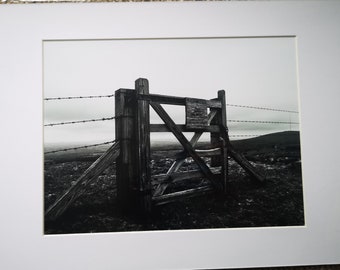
x: 258, y: 72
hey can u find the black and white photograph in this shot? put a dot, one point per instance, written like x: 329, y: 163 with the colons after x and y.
x: 171, y: 134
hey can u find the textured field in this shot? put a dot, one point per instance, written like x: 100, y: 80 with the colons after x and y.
x: 277, y: 203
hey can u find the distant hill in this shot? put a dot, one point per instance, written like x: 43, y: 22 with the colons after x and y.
x: 286, y: 139
x: 278, y: 140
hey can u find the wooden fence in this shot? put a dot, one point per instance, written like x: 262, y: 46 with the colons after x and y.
x: 137, y: 189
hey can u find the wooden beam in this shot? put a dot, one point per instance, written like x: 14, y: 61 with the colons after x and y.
x: 201, y: 152
x: 224, y: 169
x: 164, y: 99
x: 186, y: 144
x: 225, y: 137
x: 142, y: 153
x: 181, y: 176
x: 241, y: 160
x: 199, y: 191
x: 220, y: 120
x: 125, y: 126
x: 76, y: 190
x: 209, y: 152
x: 183, y: 128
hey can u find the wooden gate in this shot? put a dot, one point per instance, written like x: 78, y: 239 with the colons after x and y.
x: 137, y: 188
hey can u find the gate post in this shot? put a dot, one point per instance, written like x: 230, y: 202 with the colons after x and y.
x: 133, y: 163
x: 143, y: 147
x: 218, y: 138
x: 124, y: 130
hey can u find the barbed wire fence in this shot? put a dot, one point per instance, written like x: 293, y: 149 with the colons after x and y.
x: 239, y: 121
x: 270, y: 122
x: 79, y: 121
x: 79, y: 97
x: 80, y: 147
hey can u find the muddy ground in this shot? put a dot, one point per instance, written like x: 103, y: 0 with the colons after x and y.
x: 279, y: 202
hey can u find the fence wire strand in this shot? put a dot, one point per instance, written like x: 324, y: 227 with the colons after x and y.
x: 79, y: 97
x: 79, y: 147
x: 262, y: 122
x: 246, y: 135
x: 261, y: 108
x: 80, y: 121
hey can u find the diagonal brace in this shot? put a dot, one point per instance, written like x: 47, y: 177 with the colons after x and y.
x: 179, y: 161
x: 186, y: 144
x: 240, y: 159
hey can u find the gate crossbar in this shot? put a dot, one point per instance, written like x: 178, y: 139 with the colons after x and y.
x: 172, y: 100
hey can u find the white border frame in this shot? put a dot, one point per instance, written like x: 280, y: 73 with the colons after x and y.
x: 24, y: 27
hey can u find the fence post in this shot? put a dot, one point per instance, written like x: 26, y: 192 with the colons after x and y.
x: 218, y: 138
x: 143, y: 147
x: 124, y: 113
x: 133, y: 134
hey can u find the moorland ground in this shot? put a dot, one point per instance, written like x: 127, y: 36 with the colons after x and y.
x: 279, y: 202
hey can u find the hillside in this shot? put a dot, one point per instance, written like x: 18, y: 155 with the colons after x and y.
x: 289, y: 139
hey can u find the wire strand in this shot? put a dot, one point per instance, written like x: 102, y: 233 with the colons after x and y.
x: 262, y: 122
x: 79, y: 147
x: 80, y: 121
x: 246, y: 135
x: 79, y: 97
x: 261, y: 108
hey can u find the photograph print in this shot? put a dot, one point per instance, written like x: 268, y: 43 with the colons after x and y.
x: 171, y: 134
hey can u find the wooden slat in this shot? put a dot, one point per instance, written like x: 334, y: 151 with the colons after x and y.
x: 90, y: 175
x: 181, y: 176
x: 163, y: 199
x: 164, y: 99
x: 201, y: 152
x: 183, y: 128
x: 214, y: 104
x: 209, y: 152
x: 186, y: 144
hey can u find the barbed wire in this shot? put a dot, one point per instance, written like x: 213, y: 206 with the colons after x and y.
x: 113, y: 117
x: 112, y: 95
x: 262, y: 122
x: 261, y: 108
x: 79, y: 147
x: 246, y: 135
x: 80, y: 121
x: 79, y: 97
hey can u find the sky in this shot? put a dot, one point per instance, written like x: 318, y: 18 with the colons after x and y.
x: 260, y: 72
